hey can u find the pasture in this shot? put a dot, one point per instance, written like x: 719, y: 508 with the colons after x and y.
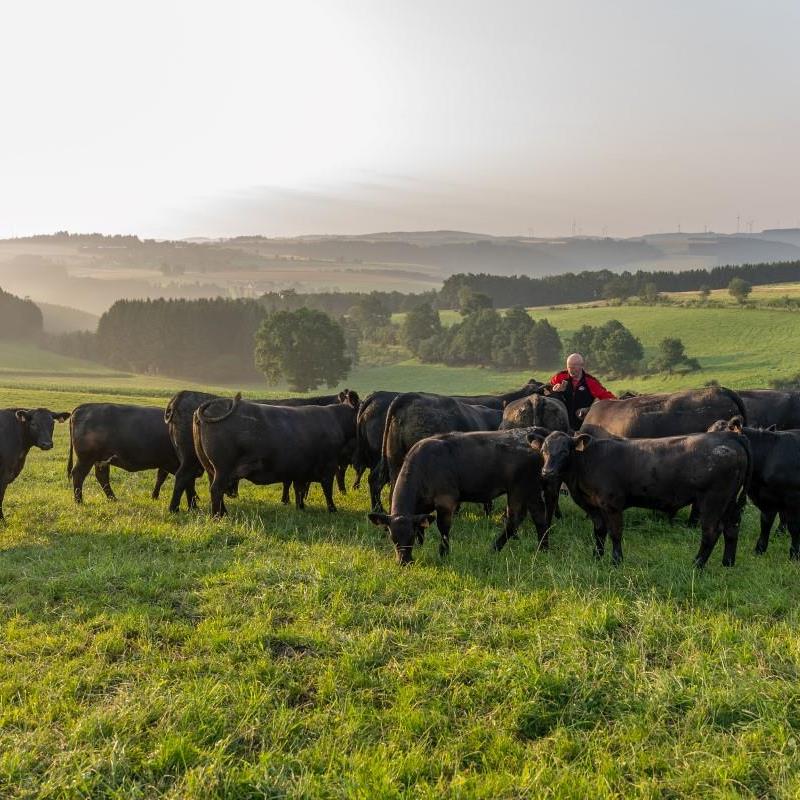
x: 278, y: 653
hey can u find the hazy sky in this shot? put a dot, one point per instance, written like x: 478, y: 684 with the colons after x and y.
x: 341, y: 116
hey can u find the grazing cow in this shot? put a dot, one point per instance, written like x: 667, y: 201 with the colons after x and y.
x: 537, y: 410
x: 178, y: 416
x: 774, y: 487
x: 441, y: 472
x: 606, y: 476
x: 372, y: 422
x: 767, y: 407
x: 130, y: 437
x: 21, y: 429
x: 271, y: 444
x: 414, y: 416
x: 654, y: 415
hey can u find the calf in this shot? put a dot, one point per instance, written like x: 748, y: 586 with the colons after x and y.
x: 133, y: 438
x: 774, y: 487
x: 441, y: 472
x: 21, y: 429
x: 414, y: 416
x: 606, y: 476
x: 271, y: 444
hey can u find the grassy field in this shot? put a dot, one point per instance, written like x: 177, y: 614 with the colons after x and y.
x: 739, y: 347
x: 283, y: 654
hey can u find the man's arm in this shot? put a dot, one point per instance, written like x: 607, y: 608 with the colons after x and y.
x: 557, y: 382
x: 599, y: 392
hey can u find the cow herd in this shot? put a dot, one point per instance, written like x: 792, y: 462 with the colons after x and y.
x: 708, y: 449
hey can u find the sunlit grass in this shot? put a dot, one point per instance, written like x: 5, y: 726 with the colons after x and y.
x: 284, y: 654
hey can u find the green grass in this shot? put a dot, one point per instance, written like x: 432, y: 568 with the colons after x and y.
x: 283, y: 654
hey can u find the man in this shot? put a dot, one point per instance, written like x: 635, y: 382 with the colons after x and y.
x: 578, y: 389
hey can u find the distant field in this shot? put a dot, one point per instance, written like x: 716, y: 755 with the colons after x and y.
x: 769, y: 292
x: 738, y: 347
x: 283, y: 654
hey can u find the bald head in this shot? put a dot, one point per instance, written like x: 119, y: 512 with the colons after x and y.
x: 575, y: 365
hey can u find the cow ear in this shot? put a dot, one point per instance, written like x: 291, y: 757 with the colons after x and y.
x: 22, y: 415
x: 423, y: 520
x: 342, y: 396
x: 381, y: 520
x: 582, y: 441
x: 736, y: 424
x: 535, y: 441
x: 773, y: 427
x: 61, y: 416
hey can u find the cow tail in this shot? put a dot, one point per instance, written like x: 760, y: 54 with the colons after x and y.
x: 396, y: 404
x: 737, y: 401
x: 69, y: 460
x: 203, y: 417
x: 359, y: 456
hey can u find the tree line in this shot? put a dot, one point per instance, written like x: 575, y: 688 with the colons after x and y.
x: 19, y: 319
x: 586, y: 286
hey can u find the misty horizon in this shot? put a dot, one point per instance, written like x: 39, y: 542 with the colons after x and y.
x: 348, y: 117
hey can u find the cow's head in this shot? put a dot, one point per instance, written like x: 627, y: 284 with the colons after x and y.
x: 557, y: 450
x: 39, y: 424
x: 350, y: 397
x: 403, y: 530
x: 735, y: 424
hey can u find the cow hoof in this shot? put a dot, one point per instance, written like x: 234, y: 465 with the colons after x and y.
x: 728, y: 562
x: 760, y: 549
x: 794, y: 555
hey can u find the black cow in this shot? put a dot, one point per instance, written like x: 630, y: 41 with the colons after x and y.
x: 441, y: 472
x: 413, y: 416
x: 606, y: 476
x: 21, y: 429
x: 271, y: 444
x: 178, y: 416
x: 537, y: 410
x: 372, y: 422
x: 774, y: 487
x: 133, y: 438
x: 767, y: 407
x: 654, y: 415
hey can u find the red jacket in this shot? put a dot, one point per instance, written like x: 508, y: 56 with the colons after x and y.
x: 599, y: 392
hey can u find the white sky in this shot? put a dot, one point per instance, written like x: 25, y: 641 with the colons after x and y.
x: 342, y: 116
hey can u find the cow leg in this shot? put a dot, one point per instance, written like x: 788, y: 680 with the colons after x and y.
x: 285, y: 494
x: 614, y: 522
x: 232, y: 489
x: 550, y: 495
x: 600, y: 531
x: 487, y: 508
x: 512, y: 519
x: 537, y: 508
x: 327, y: 490
x: 767, y: 518
x: 793, y: 524
x: 300, y: 494
x: 375, y: 487
x: 218, y: 487
x: 444, y: 521
x: 710, y: 533
x: 3, y: 486
x: 694, y: 515
x: 341, y: 471
x: 783, y: 524
x: 730, y: 532
x: 357, y: 481
x: 102, y: 471
x: 161, y: 476
x: 79, y: 473
x: 184, y: 484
